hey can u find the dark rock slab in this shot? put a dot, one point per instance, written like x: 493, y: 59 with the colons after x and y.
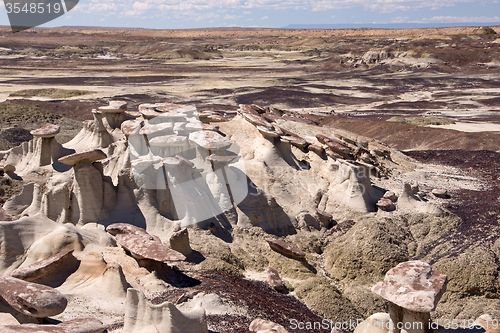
x: 32, y: 299
x: 43, y: 268
x: 147, y: 247
x: 285, y: 248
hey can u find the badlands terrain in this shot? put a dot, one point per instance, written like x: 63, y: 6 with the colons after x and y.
x: 198, y: 180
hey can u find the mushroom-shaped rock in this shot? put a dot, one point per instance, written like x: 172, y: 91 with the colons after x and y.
x: 88, y: 155
x: 385, y: 204
x: 147, y: 247
x: 142, y: 316
x: 209, y: 140
x: 285, y: 248
x: 179, y: 241
x: 413, y: 289
x: 440, y: 192
x: 274, y: 280
x: 114, y: 107
x: 46, y: 131
x: 88, y: 187
x: 43, y: 267
x: 262, y: 325
x: 390, y: 195
x: 32, y: 299
x: 45, y: 149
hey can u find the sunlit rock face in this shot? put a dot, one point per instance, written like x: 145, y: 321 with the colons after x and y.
x: 194, y: 174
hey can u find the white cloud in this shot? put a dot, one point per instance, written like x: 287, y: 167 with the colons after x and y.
x: 232, y: 17
x: 155, y: 9
x: 459, y: 19
x: 264, y: 18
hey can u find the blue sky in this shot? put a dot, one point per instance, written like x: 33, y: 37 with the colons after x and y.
x: 174, y: 14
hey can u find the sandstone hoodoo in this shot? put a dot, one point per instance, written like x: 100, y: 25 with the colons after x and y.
x: 413, y: 289
x: 88, y: 191
x: 136, y: 192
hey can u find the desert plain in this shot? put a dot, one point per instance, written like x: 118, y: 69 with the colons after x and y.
x: 326, y: 123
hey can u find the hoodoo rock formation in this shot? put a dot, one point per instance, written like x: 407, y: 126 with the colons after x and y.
x: 102, y: 219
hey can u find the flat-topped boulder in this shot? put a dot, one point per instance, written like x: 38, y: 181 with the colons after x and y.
x: 209, y: 140
x: 114, y: 107
x: 88, y: 155
x: 413, y: 285
x: 125, y: 228
x: 169, y: 140
x: 262, y: 325
x: 285, y: 248
x: 46, y: 131
x: 130, y: 126
x: 390, y: 195
x: 385, y: 204
x: 32, y: 299
x: 440, y: 193
x: 147, y: 247
x: 43, y: 267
